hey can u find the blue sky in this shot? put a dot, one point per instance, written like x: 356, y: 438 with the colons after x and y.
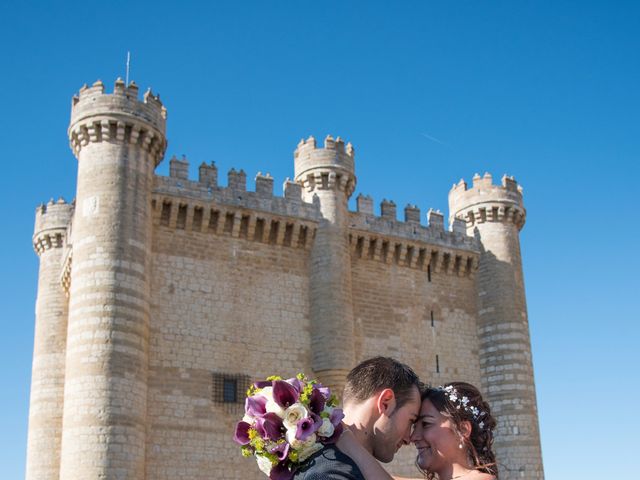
x: 428, y: 92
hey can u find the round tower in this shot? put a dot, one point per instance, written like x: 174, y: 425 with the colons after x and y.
x: 495, y: 215
x: 118, y: 141
x: 47, y: 375
x: 327, y: 176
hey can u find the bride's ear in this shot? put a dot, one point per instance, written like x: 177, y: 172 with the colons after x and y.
x: 465, y: 428
x: 386, y: 402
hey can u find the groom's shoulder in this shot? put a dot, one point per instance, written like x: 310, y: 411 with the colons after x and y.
x: 329, y: 463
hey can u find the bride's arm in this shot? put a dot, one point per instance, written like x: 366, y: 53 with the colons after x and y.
x: 367, y: 464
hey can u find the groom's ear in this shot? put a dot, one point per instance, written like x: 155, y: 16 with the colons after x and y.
x: 386, y: 402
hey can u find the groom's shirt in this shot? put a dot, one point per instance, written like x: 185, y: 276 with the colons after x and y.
x: 329, y: 464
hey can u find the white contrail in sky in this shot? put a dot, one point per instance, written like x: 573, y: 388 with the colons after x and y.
x: 433, y: 139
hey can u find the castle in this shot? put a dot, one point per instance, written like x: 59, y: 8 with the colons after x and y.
x: 161, y: 298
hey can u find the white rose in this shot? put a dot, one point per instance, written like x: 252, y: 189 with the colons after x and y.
x: 299, y: 444
x: 309, y: 450
x: 326, y: 429
x: 271, y: 406
x: 264, y: 464
x: 293, y: 415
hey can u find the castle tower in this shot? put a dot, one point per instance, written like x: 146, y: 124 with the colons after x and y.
x: 47, y: 377
x: 327, y: 176
x: 118, y: 141
x: 495, y: 215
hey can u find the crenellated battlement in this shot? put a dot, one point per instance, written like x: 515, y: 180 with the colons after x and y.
x: 206, y: 191
x: 410, y: 228
x: 328, y: 168
x: 118, y: 117
x: 51, y: 224
x: 408, y: 243
x: 204, y: 207
x: 486, y: 202
x: 330, y: 143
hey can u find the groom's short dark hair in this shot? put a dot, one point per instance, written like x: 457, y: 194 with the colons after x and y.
x: 376, y: 374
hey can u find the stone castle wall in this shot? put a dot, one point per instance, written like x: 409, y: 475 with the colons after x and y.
x: 226, y: 299
x: 199, y: 283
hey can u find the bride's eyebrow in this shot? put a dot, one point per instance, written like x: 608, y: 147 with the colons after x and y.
x: 426, y: 415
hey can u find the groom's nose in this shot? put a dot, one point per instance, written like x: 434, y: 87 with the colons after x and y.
x: 415, y: 434
x: 406, y: 440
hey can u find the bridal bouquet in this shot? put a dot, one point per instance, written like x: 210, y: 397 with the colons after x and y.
x: 287, y: 421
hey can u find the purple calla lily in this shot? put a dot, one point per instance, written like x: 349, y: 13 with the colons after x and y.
x: 262, y: 383
x: 316, y: 402
x: 269, y: 426
x: 308, y: 426
x: 281, y: 450
x: 324, y: 391
x: 241, y: 434
x: 255, y: 406
x: 336, y: 417
x: 281, y: 472
x: 284, y: 394
x: 295, y: 383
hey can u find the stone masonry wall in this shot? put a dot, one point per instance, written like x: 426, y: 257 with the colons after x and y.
x: 228, y: 300
x: 219, y: 305
x: 392, y: 310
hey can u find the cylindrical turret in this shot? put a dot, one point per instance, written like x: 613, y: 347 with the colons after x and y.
x: 118, y: 141
x: 495, y: 215
x: 47, y: 375
x: 327, y: 176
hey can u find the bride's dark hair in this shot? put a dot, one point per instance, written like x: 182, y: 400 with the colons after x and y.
x: 460, y: 401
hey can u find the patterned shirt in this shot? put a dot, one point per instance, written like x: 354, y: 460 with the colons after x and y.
x: 329, y: 464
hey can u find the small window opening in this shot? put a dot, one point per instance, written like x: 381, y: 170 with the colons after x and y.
x: 198, y: 212
x: 288, y: 234
x: 213, y: 220
x: 259, y: 231
x: 229, y: 219
x: 273, y: 233
x: 244, y: 226
x: 181, y: 221
x: 302, y: 236
x: 165, y: 214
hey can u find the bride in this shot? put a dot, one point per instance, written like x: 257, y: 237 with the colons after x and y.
x: 453, y: 436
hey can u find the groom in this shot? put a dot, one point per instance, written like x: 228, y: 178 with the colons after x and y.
x: 381, y: 402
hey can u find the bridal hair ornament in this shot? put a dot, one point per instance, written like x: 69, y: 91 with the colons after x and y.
x: 462, y: 402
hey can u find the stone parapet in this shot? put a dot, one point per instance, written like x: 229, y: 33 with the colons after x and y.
x: 328, y: 168
x: 205, y: 191
x: 119, y: 117
x: 52, y: 223
x: 486, y: 202
x: 411, y: 229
